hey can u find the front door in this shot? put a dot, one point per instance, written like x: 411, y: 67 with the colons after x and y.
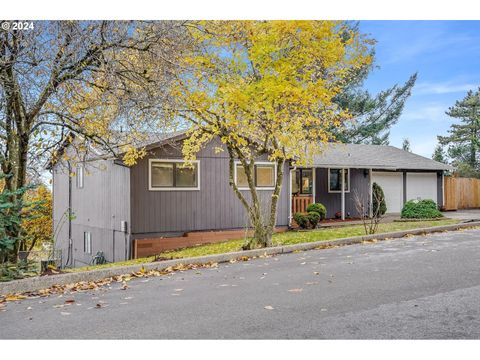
x: 302, y: 189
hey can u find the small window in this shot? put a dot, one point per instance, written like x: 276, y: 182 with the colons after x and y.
x: 80, y: 174
x: 303, y: 182
x: 263, y: 176
x: 162, y: 174
x: 87, y: 242
x: 335, y: 180
x: 172, y: 175
x: 241, y: 177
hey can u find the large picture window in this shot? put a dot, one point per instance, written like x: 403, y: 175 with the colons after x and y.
x: 173, y: 175
x: 264, y: 176
x: 335, y: 180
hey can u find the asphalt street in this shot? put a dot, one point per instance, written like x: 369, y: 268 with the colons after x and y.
x: 425, y: 287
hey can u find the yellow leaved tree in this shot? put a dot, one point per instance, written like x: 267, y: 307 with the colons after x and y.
x: 266, y: 89
x: 38, y: 227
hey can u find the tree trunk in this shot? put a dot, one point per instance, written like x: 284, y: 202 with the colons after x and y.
x: 262, y: 230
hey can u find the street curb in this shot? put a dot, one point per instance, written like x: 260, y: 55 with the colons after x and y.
x: 44, y: 282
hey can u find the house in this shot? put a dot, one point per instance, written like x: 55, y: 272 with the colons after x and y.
x: 113, y: 206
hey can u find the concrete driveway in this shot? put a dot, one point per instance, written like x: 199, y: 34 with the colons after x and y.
x: 466, y: 214
x: 425, y: 287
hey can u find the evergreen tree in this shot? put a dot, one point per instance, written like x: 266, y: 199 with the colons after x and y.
x: 439, y: 154
x: 373, y: 115
x: 463, y: 139
x: 406, y: 145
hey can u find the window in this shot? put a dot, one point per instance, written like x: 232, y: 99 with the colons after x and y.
x: 241, y: 177
x: 173, y: 175
x: 80, y: 172
x: 264, y: 176
x: 303, y: 182
x: 87, y: 242
x: 335, y: 180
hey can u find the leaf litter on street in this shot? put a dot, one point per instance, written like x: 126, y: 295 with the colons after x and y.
x: 83, y: 286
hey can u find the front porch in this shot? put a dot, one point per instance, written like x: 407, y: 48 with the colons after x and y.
x: 329, y: 186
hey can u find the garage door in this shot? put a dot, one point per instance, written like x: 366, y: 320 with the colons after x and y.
x: 422, y: 186
x: 392, y: 185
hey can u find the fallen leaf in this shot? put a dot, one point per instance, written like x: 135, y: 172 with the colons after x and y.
x: 296, y: 290
x: 98, y: 306
x: 181, y: 289
x: 65, y: 313
x: 268, y: 307
x: 69, y: 301
x: 316, y: 273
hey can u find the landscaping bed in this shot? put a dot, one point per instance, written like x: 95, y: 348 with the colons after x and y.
x: 285, y: 238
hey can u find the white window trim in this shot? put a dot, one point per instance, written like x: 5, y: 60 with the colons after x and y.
x: 152, y: 188
x: 87, y: 242
x: 269, y: 188
x: 347, y: 178
x: 80, y: 174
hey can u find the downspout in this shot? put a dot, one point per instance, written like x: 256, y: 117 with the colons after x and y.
x: 290, y: 197
x: 70, y: 241
x: 343, y: 193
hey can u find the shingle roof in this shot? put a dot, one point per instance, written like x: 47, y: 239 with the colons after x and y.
x: 375, y: 157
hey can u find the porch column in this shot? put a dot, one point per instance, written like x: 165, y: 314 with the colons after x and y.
x: 343, y: 193
x: 370, y: 193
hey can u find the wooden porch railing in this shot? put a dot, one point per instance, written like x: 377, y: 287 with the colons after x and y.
x: 300, y: 203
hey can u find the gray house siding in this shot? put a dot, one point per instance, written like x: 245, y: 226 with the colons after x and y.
x: 213, y: 207
x: 359, y: 181
x: 98, y: 208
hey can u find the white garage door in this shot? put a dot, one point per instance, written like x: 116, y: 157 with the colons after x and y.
x: 392, y: 186
x: 422, y: 186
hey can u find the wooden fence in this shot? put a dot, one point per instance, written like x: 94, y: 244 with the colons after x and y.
x: 461, y: 193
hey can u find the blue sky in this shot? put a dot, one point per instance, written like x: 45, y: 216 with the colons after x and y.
x: 446, y: 55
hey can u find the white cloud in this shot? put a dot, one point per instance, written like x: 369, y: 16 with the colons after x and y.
x: 446, y: 87
x: 429, y: 112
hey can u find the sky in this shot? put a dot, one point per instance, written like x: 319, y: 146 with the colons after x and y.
x: 446, y: 56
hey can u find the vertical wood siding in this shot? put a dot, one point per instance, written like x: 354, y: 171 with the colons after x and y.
x: 213, y: 207
x: 333, y: 201
x: 98, y: 207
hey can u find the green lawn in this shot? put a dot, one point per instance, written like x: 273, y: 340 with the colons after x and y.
x: 285, y: 238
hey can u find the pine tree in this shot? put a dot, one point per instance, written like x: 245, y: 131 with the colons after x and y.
x: 439, y: 154
x: 463, y: 139
x: 406, y: 145
x: 373, y: 115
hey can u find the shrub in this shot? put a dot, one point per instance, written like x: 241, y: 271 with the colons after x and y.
x: 379, y: 204
x: 318, y: 208
x: 301, y: 220
x: 313, y: 218
x: 420, y: 209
